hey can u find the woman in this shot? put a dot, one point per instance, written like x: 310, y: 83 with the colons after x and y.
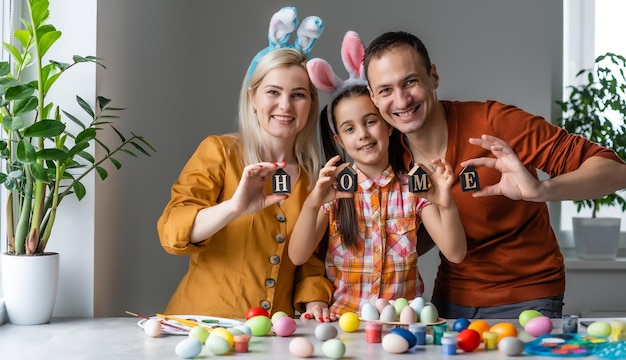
x: 222, y: 211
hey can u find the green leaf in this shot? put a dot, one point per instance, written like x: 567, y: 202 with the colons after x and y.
x: 26, y: 153
x: 5, y: 68
x: 74, y: 119
x: 116, y: 163
x: 86, y: 135
x: 79, y: 190
x: 23, y: 106
x: 12, y: 123
x: 128, y: 152
x: 45, y: 128
x: 23, y: 37
x: 78, y: 149
x: 102, y: 172
x: 83, y: 104
x: 39, y: 173
x: 46, y: 41
x: 52, y: 154
x: 102, y: 102
x: 19, y: 92
x: 140, y: 148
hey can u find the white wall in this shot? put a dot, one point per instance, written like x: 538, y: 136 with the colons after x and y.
x: 177, y: 65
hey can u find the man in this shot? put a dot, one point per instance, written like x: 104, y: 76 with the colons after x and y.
x: 513, y: 260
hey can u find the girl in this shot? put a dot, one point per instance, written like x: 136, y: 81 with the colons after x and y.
x: 372, y: 242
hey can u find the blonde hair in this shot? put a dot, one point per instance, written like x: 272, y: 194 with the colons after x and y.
x: 307, y: 147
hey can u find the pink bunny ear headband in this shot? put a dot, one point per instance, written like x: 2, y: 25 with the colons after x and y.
x: 325, y: 79
x: 282, y: 24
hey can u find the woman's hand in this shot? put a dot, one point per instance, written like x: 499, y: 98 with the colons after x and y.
x: 250, y: 194
x: 319, y: 311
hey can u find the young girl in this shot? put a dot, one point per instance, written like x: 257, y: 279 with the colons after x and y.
x: 372, y: 244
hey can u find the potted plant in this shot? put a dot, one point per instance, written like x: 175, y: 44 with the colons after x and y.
x: 596, y: 110
x: 45, y: 159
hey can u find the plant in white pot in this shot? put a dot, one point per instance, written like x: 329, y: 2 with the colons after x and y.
x: 45, y: 157
x: 596, y: 110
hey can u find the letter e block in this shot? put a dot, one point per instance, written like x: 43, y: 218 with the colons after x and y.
x: 469, y: 179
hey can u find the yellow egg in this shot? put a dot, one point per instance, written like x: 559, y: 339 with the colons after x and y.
x: 224, y: 333
x: 349, y: 322
x: 599, y: 328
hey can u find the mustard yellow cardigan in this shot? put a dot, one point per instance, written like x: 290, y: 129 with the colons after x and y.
x: 245, y: 264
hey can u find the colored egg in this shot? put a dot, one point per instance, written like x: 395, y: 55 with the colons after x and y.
x: 408, y: 315
x: 325, y: 331
x: 277, y: 315
x: 599, y: 328
x: 199, y: 332
x: 334, y: 348
x: 369, y: 312
x: 349, y: 322
x: 504, y: 329
x: 259, y: 325
x: 217, y: 345
x: 537, y: 326
x: 394, y: 343
x: 511, y: 346
x: 526, y: 315
x: 188, y: 348
x: 256, y: 311
x: 429, y: 314
x: 400, y: 304
x: 406, y: 334
x: 468, y: 340
x: 284, y: 326
x: 152, y: 327
x: 479, y: 325
x: 380, y: 304
x: 460, y: 324
x: 417, y: 304
x: 389, y: 314
x: 224, y: 333
x: 301, y: 347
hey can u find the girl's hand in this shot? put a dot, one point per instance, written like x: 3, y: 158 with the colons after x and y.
x: 250, y: 194
x: 325, y: 188
x: 441, y: 181
x: 319, y: 311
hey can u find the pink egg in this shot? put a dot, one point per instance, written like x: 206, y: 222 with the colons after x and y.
x: 537, y: 326
x: 301, y: 347
x: 284, y: 326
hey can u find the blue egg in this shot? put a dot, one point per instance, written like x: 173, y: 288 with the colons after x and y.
x: 460, y: 324
x: 406, y: 334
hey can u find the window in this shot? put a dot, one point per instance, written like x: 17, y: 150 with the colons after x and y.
x: 591, y: 28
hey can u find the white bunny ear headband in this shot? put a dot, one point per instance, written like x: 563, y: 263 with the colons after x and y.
x: 282, y: 24
x: 325, y: 79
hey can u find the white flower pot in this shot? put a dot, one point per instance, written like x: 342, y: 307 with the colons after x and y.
x: 30, y: 287
x: 596, y: 238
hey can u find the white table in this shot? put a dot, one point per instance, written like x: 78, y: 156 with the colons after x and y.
x: 121, y: 338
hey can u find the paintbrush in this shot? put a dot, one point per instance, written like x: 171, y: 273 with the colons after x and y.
x: 163, y: 322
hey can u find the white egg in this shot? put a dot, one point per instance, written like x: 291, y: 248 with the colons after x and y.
x: 511, y: 346
x: 389, y: 314
x: 394, y: 343
x: 417, y: 304
x: 369, y: 312
x: 152, y: 327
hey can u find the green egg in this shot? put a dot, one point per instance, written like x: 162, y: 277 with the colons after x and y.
x: 599, y: 328
x: 526, y: 315
x: 400, y: 304
x: 334, y: 348
x: 217, y: 345
x: 259, y: 325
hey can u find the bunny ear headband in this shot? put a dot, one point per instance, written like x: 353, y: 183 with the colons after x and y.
x: 282, y: 24
x: 325, y: 79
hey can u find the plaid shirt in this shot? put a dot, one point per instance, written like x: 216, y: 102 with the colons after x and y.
x: 385, y: 263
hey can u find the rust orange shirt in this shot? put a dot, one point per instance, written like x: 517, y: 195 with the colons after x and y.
x: 245, y: 264
x: 512, y: 252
